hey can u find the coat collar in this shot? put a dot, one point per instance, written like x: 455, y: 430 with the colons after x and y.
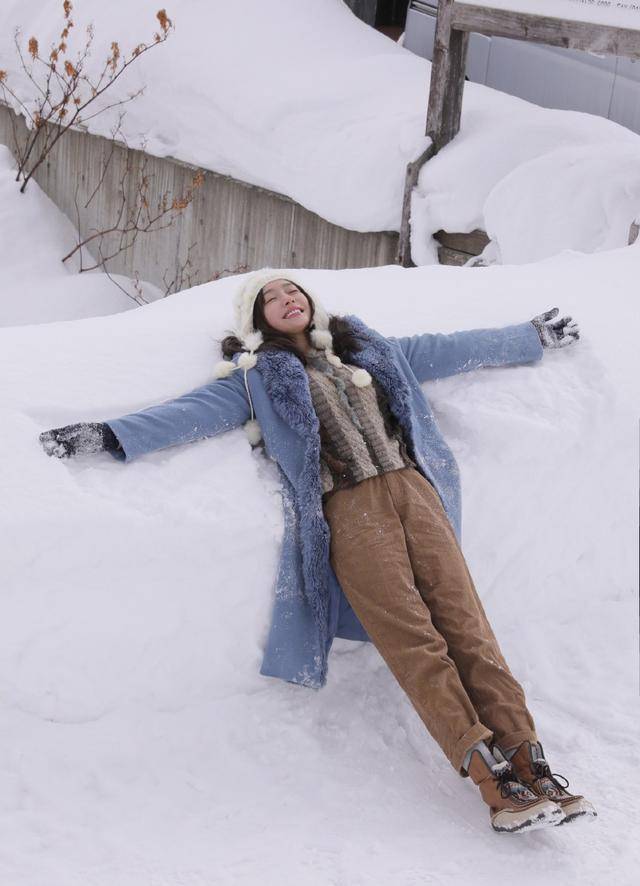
x: 287, y: 384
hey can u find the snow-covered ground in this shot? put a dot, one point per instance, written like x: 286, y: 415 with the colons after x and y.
x: 140, y: 745
x: 301, y: 97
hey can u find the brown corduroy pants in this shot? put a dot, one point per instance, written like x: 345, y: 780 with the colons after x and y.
x: 398, y: 561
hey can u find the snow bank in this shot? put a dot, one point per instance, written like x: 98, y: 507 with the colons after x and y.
x: 526, y: 212
x: 36, y: 286
x: 303, y: 98
x: 500, y: 136
x: 142, y: 745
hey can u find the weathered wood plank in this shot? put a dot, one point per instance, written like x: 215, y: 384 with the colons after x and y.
x: 569, y: 34
x: 452, y: 111
x: 403, y: 254
x: 443, y: 112
x: 448, y: 256
x: 230, y: 226
x: 438, y: 93
x: 472, y: 242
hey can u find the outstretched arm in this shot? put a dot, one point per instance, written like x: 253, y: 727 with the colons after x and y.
x: 436, y: 355
x: 204, y: 412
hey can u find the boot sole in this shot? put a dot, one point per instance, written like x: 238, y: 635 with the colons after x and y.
x: 543, y: 820
x: 576, y: 808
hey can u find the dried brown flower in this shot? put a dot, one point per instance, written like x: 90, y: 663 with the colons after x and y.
x: 33, y: 47
x: 62, y: 46
x: 54, y: 55
x: 115, y: 55
x: 138, y: 49
x: 163, y: 18
x: 70, y: 70
x: 67, y: 6
x: 3, y: 76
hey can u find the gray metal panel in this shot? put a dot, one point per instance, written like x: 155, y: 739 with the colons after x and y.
x: 478, y: 56
x: 419, y: 33
x: 550, y: 77
x: 547, y: 75
x: 625, y: 103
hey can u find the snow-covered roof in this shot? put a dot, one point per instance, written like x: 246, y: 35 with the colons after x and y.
x: 301, y: 97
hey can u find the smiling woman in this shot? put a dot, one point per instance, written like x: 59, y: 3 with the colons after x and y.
x: 371, y: 518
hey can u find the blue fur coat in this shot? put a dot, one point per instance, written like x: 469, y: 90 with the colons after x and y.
x: 309, y: 607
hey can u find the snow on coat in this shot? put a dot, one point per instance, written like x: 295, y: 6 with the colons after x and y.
x: 310, y: 608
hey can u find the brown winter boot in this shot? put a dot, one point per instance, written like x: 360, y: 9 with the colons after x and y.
x: 533, y: 770
x: 513, y: 807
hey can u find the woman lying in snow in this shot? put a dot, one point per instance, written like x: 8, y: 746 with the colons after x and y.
x: 372, y: 517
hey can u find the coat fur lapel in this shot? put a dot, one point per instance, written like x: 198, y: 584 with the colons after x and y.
x: 287, y: 387
x: 377, y: 357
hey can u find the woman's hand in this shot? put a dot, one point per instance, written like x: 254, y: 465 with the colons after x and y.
x: 558, y: 333
x: 85, y: 438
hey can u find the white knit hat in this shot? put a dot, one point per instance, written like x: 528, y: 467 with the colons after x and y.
x: 252, y: 338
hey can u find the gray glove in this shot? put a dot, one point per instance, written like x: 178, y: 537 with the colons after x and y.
x: 85, y: 438
x: 558, y: 333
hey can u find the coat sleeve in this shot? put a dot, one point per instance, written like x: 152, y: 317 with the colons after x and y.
x: 204, y: 412
x: 435, y: 355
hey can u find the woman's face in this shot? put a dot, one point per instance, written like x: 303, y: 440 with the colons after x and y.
x: 286, y: 309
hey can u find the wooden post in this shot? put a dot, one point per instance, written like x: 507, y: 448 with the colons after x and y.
x: 446, y: 88
x: 403, y: 255
x: 454, y: 88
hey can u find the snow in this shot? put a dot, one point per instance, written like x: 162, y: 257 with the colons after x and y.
x: 525, y: 213
x: 301, y: 97
x: 141, y: 745
x: 37, y: 287
x: 501, y: 136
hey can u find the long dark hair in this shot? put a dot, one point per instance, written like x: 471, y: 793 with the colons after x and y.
x: 345, y: 340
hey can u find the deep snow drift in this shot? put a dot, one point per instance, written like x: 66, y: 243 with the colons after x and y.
x: 36, y: 286
x: 301, y: 97
x: 139, y: 742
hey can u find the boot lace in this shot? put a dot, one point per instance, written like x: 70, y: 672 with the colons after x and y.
x: 542, y: 770
x: 508, y: 780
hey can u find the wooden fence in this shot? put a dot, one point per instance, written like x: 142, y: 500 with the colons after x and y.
x: 231, y: 226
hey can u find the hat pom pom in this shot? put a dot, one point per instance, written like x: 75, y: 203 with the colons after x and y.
x: 334, y: 360
x: 361, y: 378
x: 321, y: 338
x: 223, y: 369
x: 253, y: 432
x: 247, y: 361
x: 253, y: 340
